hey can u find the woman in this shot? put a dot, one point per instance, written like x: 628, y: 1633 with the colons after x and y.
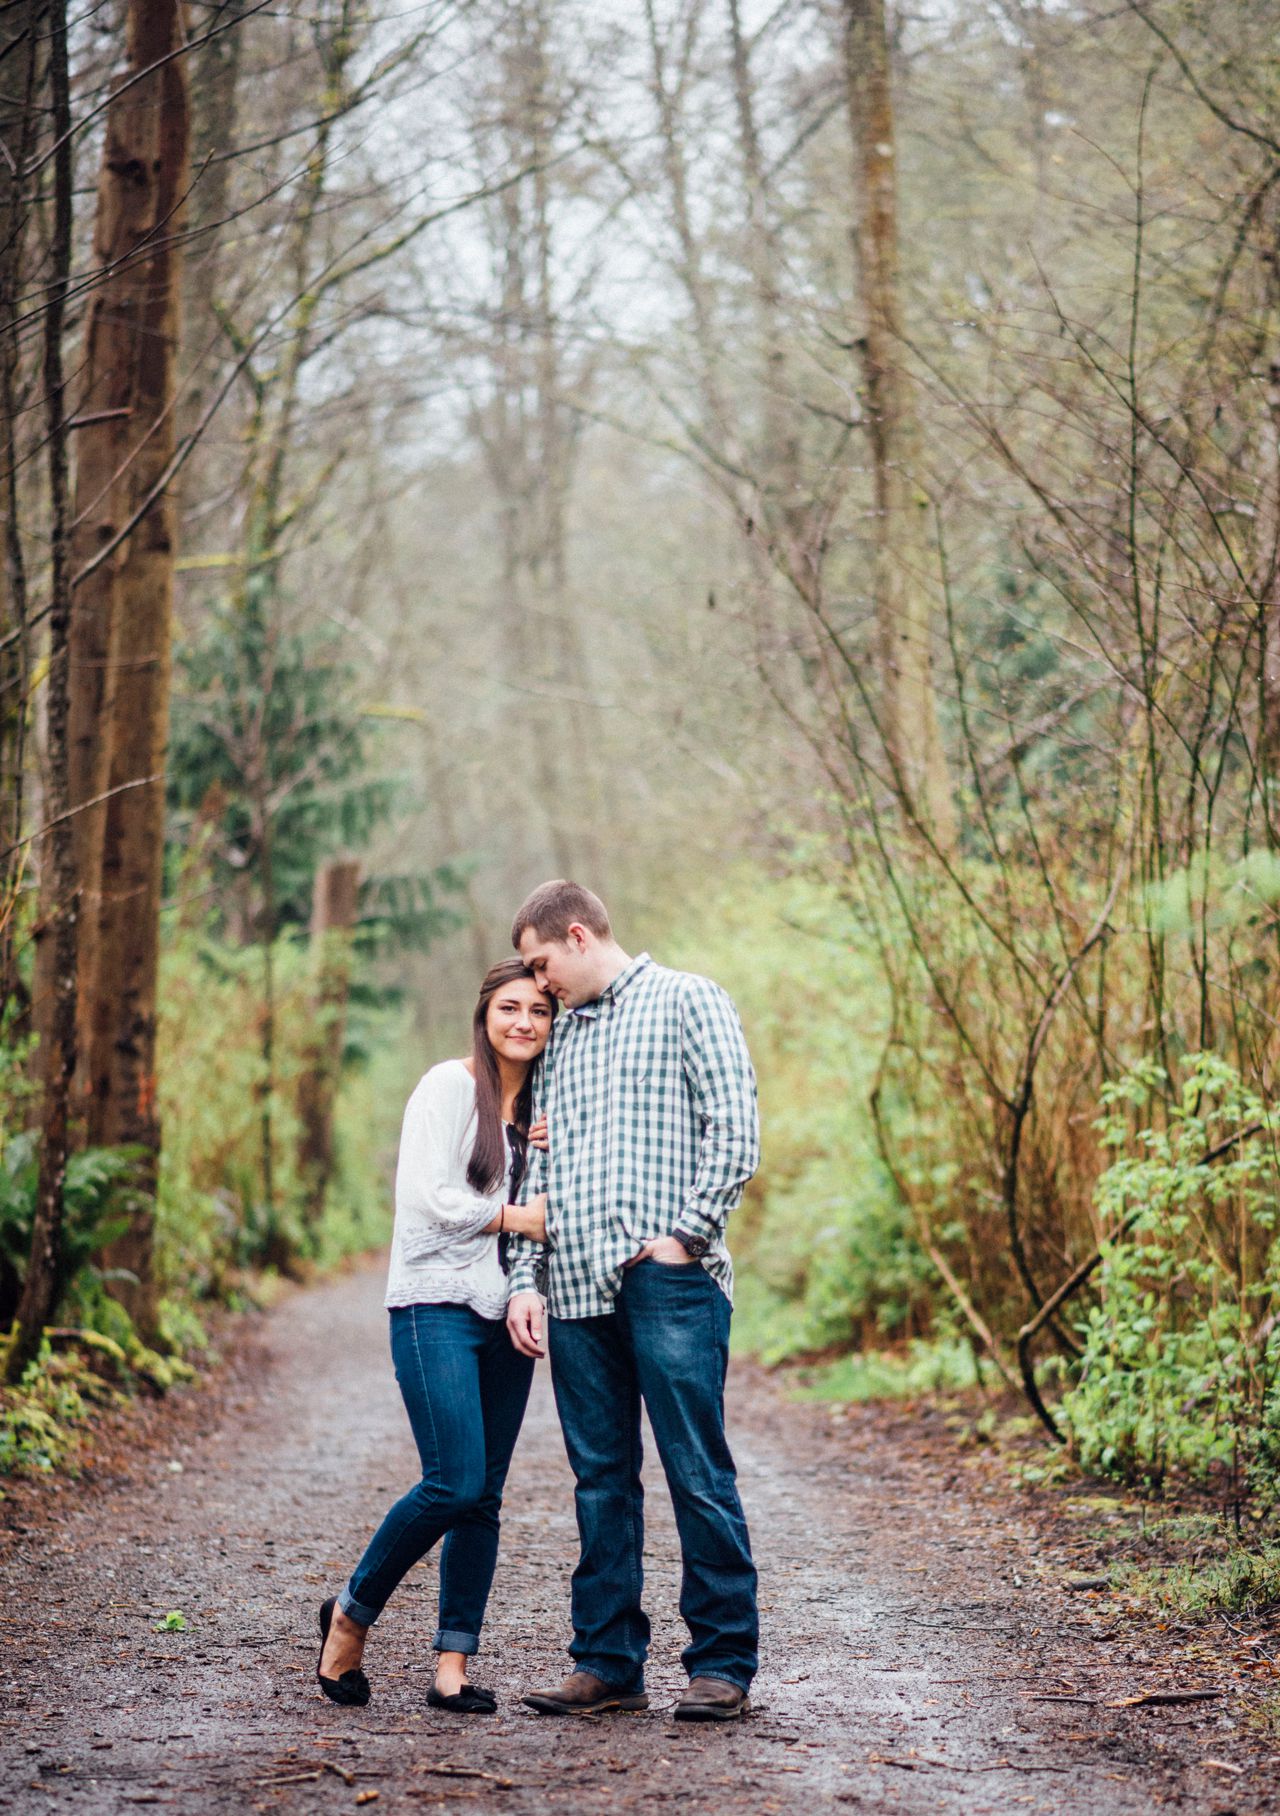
x: 462, y: 1151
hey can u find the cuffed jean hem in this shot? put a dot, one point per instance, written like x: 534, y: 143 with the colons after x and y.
x: 446, y: 1641
x: 608, y: 1674
x: 357, y: 1610
x: 738, y: 1679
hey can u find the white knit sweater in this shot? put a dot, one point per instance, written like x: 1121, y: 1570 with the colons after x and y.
x: 439, y: 1251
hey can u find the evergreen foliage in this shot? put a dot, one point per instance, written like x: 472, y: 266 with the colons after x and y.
x: 270, y: 756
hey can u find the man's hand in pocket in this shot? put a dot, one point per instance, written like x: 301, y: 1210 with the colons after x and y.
x: 666, y: 1250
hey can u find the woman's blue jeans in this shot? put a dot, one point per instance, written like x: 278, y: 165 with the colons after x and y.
x: 465, y: 1389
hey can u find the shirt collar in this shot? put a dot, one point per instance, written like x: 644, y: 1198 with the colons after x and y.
x: 623, y: 981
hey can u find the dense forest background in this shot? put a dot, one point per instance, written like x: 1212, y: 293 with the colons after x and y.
x: 811, y: 473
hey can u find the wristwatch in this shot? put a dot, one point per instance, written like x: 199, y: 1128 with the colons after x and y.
x: 694, y: 1246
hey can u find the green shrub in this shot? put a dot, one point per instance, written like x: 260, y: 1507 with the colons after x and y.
x: 41, y: 1417
x: 371, y: 1099
x: 213, y: 1220
x: 822, y: 1242
x: 97, y: 1200
x: 1180, y: 1352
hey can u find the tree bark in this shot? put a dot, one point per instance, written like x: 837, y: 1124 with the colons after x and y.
x: 123, y: 611
x: 21, y: 26
x: 776, y: 460
x: 334, y: 911
x: 1269, y: 595
x: 20, y: 31
x: 528, y: 437
x: 45, y: 1263
x: 718, y: 424
x: 909, y: 718
x: 214, y: 116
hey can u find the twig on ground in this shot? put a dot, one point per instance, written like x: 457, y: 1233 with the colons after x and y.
x: 312, y: 1773
x: 1159, y: 1699
x: 447, y: 1771
x: 954, y: 1765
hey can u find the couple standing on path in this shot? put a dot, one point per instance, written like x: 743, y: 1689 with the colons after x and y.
x: 602, y: 1222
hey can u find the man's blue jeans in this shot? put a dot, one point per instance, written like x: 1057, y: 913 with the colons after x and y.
x: 667, y: 1343
x: 465, y: 1390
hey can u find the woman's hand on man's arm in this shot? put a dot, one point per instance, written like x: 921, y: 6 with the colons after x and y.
x: 529, y: 1219
x: 522, y: 1219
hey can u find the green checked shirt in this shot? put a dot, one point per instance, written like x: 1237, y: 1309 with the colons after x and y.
x: 651, y: 1106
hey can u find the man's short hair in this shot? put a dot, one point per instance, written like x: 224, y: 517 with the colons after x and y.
x: 554, y: 907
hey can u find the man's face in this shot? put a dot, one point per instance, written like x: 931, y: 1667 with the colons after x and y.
x: 565, y: 968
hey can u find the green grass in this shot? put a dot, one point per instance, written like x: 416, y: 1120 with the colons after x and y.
x: 1243, y: 1582
x: 1264, y: 1717
x: 767, y: 1327
x: 1183, y: 1529
x: 923, y: 1368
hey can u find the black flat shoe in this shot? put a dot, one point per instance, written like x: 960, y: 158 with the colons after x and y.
x: 352, y: 1688
x: 469, y: 1700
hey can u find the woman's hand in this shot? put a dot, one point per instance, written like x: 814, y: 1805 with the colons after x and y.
x: 534, y: 1215
x: 523, y: 1219
x: 538, y: 1135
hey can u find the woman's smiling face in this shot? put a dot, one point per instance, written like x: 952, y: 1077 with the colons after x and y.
x: 518, y: 1020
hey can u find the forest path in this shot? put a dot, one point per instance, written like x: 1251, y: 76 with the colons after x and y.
x: 902, y: 1643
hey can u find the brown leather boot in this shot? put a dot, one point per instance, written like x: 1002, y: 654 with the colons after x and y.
x: 711, y: 1699
x: 583, y: 1694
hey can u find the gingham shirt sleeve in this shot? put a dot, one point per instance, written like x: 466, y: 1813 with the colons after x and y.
x: 526, y: 1260
x: 722, y: 1083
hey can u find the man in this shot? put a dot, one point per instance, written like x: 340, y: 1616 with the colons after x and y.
x: 651, y: 1106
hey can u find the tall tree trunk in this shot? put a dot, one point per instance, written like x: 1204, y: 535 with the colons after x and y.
x: 1269, y: 600
x: 566, y: 654
x: 909, y: 718
x: 718, y: 426
x: 45, y: 1264
x: 1268, y: 519
x: 777, y: 456
x: 334, y: 909
x: 123, y: 608
x: 528, y: 438
x: 214, y: 115
x: 21, y: 27
x: 509, y: 439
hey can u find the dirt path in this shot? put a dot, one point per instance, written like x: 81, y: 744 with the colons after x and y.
x: 905, y: 1631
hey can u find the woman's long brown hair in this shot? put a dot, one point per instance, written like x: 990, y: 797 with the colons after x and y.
x: 488, y: 1162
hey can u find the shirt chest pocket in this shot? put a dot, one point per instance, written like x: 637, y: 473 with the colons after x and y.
x: 634, y: 1080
